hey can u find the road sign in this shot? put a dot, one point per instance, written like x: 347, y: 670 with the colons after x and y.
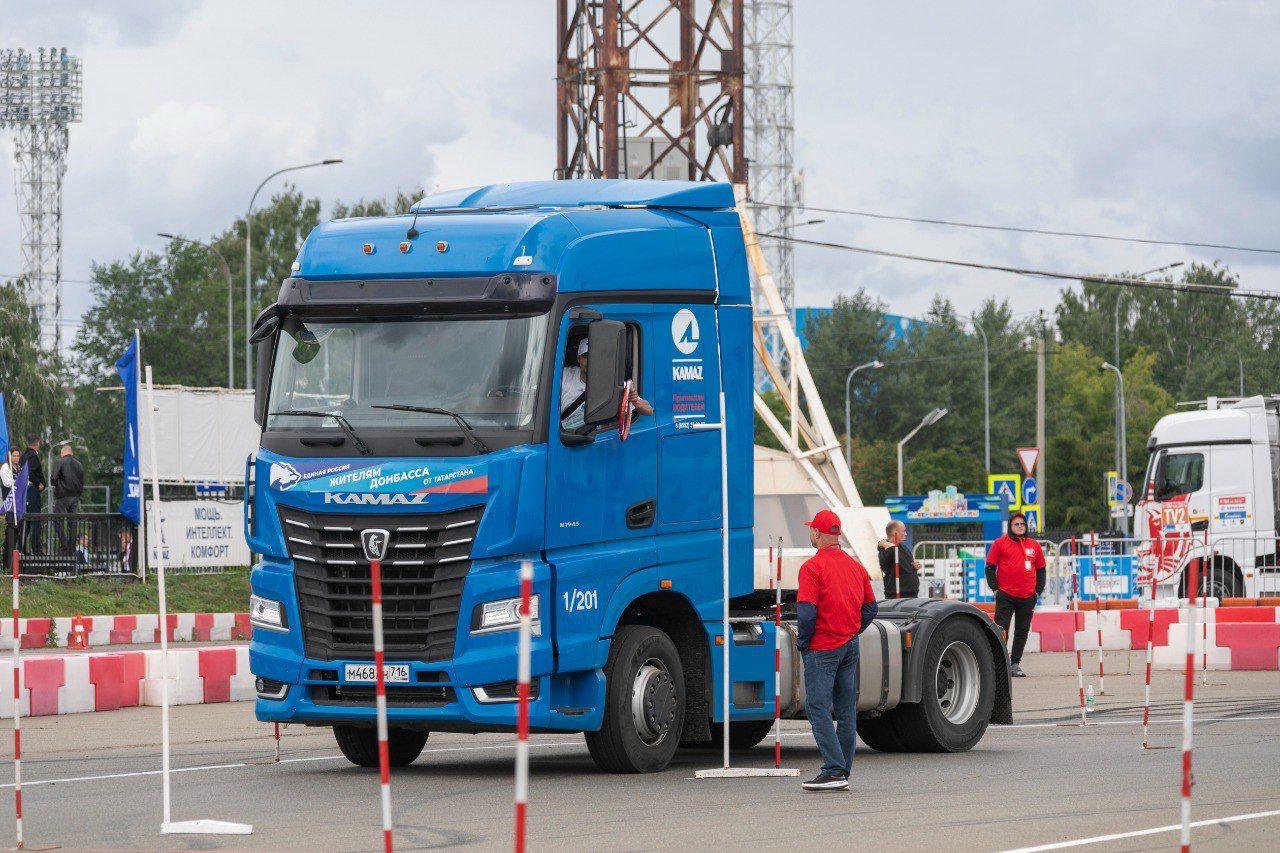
x: 1124, y: 492
x: 1029, y: 456
x: 1112, y: 477
x: 1009, y: 485
x: 1030, y: 492
x: 1033, y: 518
x: 1118, y: 491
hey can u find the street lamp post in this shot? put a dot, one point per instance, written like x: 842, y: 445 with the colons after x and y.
x: 986, y: 392
x: 226, y: 270
x: 848, y: 453
x: 1239, y: 357
x: 248, y: 265
x: 931, y: 418
x: 1122, y: 451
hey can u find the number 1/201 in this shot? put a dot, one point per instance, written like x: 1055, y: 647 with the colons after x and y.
x: 580, y: 599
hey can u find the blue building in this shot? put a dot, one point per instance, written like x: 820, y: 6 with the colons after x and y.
x: 897, y: 325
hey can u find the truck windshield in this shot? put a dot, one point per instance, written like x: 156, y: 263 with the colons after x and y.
x: 484, y: 369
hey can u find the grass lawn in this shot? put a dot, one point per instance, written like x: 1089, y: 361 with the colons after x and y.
x: 224, y: 593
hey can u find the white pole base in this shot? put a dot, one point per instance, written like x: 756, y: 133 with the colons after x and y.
x: 744, y: 772
x: 205, y: 827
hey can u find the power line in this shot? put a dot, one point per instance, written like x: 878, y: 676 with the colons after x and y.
x: 1137, y: 283
x: 1044, y: 231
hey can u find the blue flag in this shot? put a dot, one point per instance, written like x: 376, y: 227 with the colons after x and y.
x: 4, y: 428
x: 15, y: 503
x: 127, y: 367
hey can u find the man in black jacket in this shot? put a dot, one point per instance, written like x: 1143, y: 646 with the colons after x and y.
x: 899, y: 570
x: 35, y: 488
x: 68, y: 486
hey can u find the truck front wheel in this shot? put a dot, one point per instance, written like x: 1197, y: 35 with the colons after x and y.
x: 957, y: 695
x: 644, y: 703
x: 360, y: 745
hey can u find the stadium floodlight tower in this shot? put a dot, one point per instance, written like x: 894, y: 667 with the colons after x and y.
x: 770, y: 133
x: 40, y: 94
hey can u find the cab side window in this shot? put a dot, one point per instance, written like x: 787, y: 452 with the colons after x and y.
x: 574, y: 365
x: 1179, y: 474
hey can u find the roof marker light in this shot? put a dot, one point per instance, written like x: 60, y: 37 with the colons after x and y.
x: 368, y: 248
x: 405, y: 247
x: 442, y: 246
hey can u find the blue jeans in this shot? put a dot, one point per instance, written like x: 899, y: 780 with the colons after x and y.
x: 831, y: 681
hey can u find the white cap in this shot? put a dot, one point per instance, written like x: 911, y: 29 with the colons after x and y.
x: 582, y: 347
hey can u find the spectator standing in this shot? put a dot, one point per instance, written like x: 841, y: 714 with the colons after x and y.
x: 35, y: 491
x: 835, y: 603
x: 1016, y: 573
x: 9, y: 471
x: 68, y: 486
x: 901, y: 572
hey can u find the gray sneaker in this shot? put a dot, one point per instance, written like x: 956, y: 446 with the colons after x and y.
x: 1016, y: 672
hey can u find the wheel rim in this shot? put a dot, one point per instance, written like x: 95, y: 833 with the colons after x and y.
x: 959, y: 682
x: 653, y: 702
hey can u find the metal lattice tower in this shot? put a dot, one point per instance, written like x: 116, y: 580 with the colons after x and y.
x: 40, y: 94
x: 649, y: 89
x: 770, y: 133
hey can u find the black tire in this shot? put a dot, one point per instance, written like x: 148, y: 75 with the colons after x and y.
x: 640, y: 659
x: 1222, y: 584
x: 924, y: 726
x: 879, y: 734
x: 360, y: 745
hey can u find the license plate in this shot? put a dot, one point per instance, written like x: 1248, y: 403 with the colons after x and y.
x: 366, y: 673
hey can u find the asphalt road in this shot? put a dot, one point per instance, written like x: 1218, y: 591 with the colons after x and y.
x: 91, y: 782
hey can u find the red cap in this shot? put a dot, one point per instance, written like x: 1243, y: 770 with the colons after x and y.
x: 825, y: 521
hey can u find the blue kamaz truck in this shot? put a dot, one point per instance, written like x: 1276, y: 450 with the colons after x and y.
x: 462, y: 377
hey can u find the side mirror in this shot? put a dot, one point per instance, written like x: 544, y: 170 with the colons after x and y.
x: 264, y: 337
x: 606, y: 370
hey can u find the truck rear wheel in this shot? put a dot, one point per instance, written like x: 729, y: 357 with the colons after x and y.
x: 879, y: 734
x: 957, y: 695
x: 644, y: 703
x: 743, y: 735
x: 360, y: 745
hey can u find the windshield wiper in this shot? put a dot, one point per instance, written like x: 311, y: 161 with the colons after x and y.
x: 479, y: 445
x: 343, y: 423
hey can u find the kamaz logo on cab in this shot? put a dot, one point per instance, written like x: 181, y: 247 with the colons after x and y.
x: 371, y: 499
x: 684, y: 331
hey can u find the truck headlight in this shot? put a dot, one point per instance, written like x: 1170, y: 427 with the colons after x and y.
x: 267, y: 614
x: 503, y: 615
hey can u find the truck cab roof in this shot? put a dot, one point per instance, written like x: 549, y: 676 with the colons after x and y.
x: 590, y: 235
x: 1247, y: 420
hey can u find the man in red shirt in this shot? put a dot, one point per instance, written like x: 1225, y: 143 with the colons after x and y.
x: 1015, y: 573
x: 834, y: 605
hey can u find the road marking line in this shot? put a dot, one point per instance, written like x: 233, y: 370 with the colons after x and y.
x: 1099, y: 839
x: 248, y: 764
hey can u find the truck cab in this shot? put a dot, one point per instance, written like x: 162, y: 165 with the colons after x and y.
x: 463, y: 379
x: 1209, y: 499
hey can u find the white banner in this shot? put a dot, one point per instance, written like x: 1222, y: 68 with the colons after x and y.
x: 197, y: 533
x: 202, y: 436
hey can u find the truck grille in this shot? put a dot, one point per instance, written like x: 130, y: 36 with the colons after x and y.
x: 422, y: 576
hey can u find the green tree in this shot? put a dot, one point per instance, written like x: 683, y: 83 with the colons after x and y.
x: 31, y: 378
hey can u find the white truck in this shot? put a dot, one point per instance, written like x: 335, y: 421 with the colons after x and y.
x: 1208, y: 501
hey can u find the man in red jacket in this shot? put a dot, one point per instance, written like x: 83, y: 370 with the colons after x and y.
x: 835, y: 604
x: 1016, y: 573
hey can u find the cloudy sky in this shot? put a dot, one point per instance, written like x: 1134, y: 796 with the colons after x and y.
x: 1156, y: 119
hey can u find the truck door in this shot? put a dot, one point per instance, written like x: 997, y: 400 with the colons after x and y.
x: 601, y: 490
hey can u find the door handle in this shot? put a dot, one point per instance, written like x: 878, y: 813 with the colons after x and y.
x: 641, y: 515
x: 336, y: 441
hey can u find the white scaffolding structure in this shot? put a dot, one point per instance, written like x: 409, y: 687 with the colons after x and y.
x: 774, y: 188
x: 40, y: 94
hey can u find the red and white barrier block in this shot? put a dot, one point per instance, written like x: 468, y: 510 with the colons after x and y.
x: 131, y: 629
x: 73, y: 684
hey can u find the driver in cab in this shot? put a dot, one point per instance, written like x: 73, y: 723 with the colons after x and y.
x: 573, y: 394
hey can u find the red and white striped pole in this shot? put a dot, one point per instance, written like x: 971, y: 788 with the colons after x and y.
x: 897, y: 577
x: 384, y: 761
x: 277, y: 725
x: 1151, y: 630
x: 1097, y: 611
x: 1188, y: 700
x: 1204, y: 604
x: 1075, y: 606
x: 17, y: 700
x: 524, y: 673
x: 777, y: 658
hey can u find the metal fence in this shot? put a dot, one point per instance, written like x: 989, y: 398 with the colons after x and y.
x: 78, y: 544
